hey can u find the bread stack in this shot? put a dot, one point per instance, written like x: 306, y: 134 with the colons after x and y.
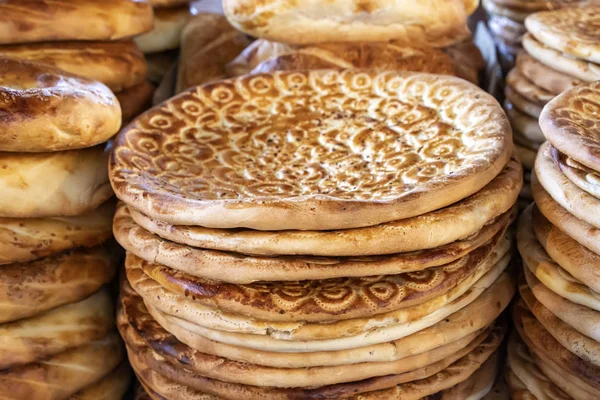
x: 92, y: 40
x: 557, y: 351
x: 160, y: 45
x: 316, y: 234
x: 547, y: 67
x: 399, y: 35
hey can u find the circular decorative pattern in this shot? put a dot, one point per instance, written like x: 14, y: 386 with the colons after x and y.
x: 311, y: 150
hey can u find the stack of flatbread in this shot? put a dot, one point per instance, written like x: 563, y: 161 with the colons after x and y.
x: 317, y: 234
x: 550, y: 64
x: 404, y: 35
x: 57, y: 332
x: 557, y: 351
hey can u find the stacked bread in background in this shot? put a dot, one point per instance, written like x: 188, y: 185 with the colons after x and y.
x: 161, y: 44
x: 545, y: 68
x: 56, y: 315
x: 557, y: 350
x: 317, y: 234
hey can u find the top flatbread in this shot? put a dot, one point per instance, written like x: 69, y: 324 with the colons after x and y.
x: 312, y: 150
x: 573, y: 31
x: 571, y: 123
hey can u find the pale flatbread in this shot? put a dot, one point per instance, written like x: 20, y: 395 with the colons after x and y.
x: 55, y: 331
x: 573, y: 31
x: 111, y: 387
x: 581, y: 231
x: 524, y: 124
x: 578, y: 202
x: 426, y: 231
x: 477, y: 386
x: 168, y: 164
x: 578, y: 69
x: 544, y: 76
x: 31, y: 288
x: 308, y: 301
x: 64, y: 374
x: 241, y: 269
x: 526, y: 88
x: 566, y: 252
x: 547, y: 271
x: 521, y: 103
x: 585, y: 178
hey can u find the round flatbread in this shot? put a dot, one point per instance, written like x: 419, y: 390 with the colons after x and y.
x: 529, y: 375
x: 578, y: 202
x: 34, y: 21
x: 319, y: 300
x: 28, y: 289
x: 55, y: 331
x: 582, y: 346
x: 301, y: 182
x: 477, y: 386
x: 543, y: 76
x: 526, y: 88
x: 579, y: 69
x: 581, y: 318
x: 569, y: 123
x: 521, y: 103
x: 571, y: 30
x: 469, y: 321
x: 305, y: 338
x: 119, y: 65
x: 427, y: 231
x: 166, y: 33
x: 110, y: 387
x: 526, y: 156
x: 45, y: 185
x: 311, y: 21
x: 581, y: 231
x: 64, y: 374
x: 585, y: 178
x: 135, y: 100
x: 567, y: 252
x: 27, y: 239
x: 42, y: 101
x: 524, y: 124
x: 547, y: 271
x: 209, y: 264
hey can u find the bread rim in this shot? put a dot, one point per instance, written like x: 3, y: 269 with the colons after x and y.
x: 580, y: 345
x: 137, y: 348
x: 43, y: 100
x: 524, y: 124
x: 521, y: 103
x: 579, y: 69
x: 526, y: 88
x: 312, y: 301
x: 468, y: 321
x: 209, y: 264
x: 585, y: 178
x: 544, y: 76
x: 566, y: 128
x: 528, y: 374
x: 236, y: 208
x: 547, y: 271
x: 54, y: 331
x: 478, y: 385
x: 29, y: 289
x: 28, y: 239
x: 62, y: 375
x: 426, y: 231
x: 567, y: 252
x: 312, y: 22
x: 166, y: 32
x: 135, y: 100
x: 578, y: 202
x: 119, y: 65
x: 112, y: 386
x: 29, y: 21
x: 582, y: 319
x: 581, y: 231
x: 569, y: 30
x: 78, y: 183
x: 566, y: 370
